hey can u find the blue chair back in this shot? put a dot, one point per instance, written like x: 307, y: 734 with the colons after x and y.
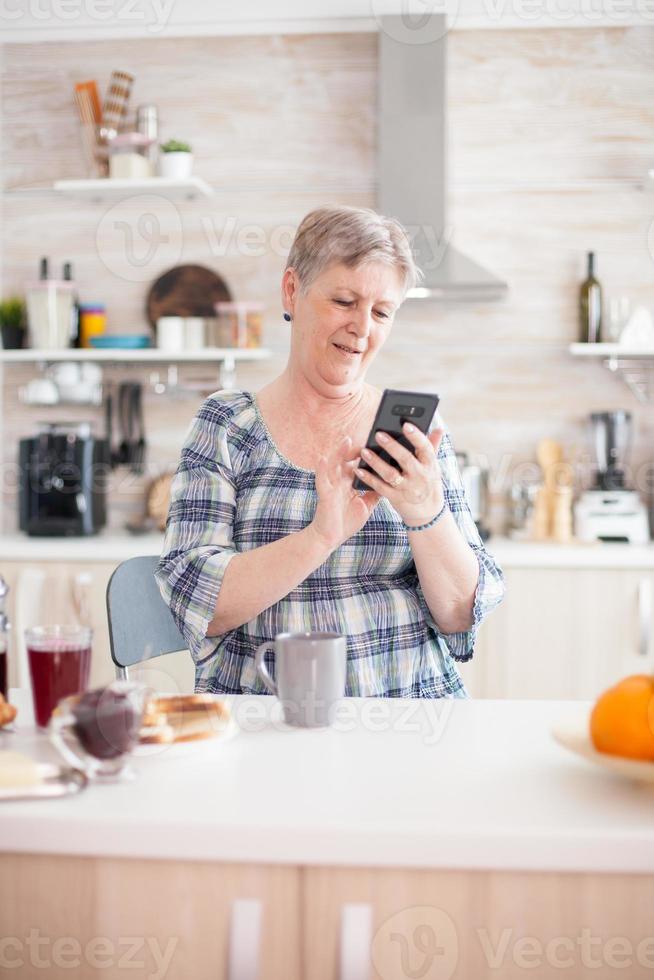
x: 141, y: 625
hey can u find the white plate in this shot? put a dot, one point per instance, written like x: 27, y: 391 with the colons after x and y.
x: 575, y: 736
x: 173, y: 750
x: 55, y: 781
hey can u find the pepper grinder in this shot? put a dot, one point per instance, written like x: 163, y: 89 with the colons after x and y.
x: 147, y: 122
x: 4, y: 640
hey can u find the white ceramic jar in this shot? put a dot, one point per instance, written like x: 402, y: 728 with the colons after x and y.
x: 171, y: 333
x: 194, y: 329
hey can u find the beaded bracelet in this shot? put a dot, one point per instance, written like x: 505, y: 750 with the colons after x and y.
x: 434, y: 520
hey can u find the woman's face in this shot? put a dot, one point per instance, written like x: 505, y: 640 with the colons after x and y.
x: 341, y: 321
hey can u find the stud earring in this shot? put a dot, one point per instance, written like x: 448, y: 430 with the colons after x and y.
x: 287, y: 316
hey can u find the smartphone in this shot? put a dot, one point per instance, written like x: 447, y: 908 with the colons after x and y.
x: 396, y: 408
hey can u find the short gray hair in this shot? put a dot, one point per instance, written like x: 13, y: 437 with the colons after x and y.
x: 351, y: 236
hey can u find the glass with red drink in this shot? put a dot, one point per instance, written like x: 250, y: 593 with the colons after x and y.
x: 4, y: 669
x: 60, y: 662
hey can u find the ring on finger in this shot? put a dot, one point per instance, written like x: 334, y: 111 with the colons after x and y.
x: 399, y: 479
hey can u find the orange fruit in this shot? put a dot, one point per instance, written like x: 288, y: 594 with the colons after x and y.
x: 622, y: 720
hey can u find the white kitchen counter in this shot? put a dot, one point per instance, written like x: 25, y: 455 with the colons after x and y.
x: 543, y: 554
x: 426, y: 784
x: 110, y: 546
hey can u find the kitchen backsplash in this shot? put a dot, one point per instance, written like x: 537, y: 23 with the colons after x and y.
x: 547, y: 161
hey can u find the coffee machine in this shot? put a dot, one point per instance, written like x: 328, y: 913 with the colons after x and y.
x: 63, y: 471
x: 610, y: 511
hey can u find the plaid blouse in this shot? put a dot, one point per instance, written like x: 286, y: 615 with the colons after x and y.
x: 234, y: 491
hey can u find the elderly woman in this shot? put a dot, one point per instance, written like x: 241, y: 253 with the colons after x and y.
x: 266, y: 533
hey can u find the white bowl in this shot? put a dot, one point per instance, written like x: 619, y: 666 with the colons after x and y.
x: 575, y: 736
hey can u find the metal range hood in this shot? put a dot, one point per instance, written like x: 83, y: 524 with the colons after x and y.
x: 412, y: 159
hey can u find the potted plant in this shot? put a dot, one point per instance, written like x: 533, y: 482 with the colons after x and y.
x: 175, y: 160
x: 12, y: 323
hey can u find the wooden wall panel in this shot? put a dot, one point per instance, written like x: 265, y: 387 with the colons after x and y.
x: 550, y: 136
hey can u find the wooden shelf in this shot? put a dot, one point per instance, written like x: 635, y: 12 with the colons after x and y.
x: 146, y: 355
x: 99, y: 189
x: 611, y: 350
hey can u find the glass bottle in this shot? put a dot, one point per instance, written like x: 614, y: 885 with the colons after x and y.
x: 590, y: 306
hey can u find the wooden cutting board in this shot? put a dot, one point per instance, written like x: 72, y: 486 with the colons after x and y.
x: 186, y: 290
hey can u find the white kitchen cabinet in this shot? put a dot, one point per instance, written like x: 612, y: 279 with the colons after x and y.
x: 565, y: 633
x: 561, y: 632
x: 43, y: 593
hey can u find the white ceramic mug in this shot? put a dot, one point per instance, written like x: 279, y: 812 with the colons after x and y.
x: 171, y: 333
x: 310, y: 671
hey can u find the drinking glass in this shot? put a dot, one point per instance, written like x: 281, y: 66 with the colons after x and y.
x: 97, y: 730
x: 4, y: 671
x: 60, y: 661
x: 618, y: 316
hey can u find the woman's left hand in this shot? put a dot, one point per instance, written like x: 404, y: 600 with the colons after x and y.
x: 416, y: 492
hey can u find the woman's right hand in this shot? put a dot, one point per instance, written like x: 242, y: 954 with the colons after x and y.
x: 341, y: 510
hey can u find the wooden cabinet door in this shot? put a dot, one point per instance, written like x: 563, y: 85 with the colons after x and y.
x: 182, y: 920
x: 468, y: 925
x: 359, y: 922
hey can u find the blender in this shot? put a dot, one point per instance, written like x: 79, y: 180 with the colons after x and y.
x: 610, y: 511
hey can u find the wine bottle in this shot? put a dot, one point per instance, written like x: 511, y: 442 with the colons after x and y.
x: 590, y: 306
